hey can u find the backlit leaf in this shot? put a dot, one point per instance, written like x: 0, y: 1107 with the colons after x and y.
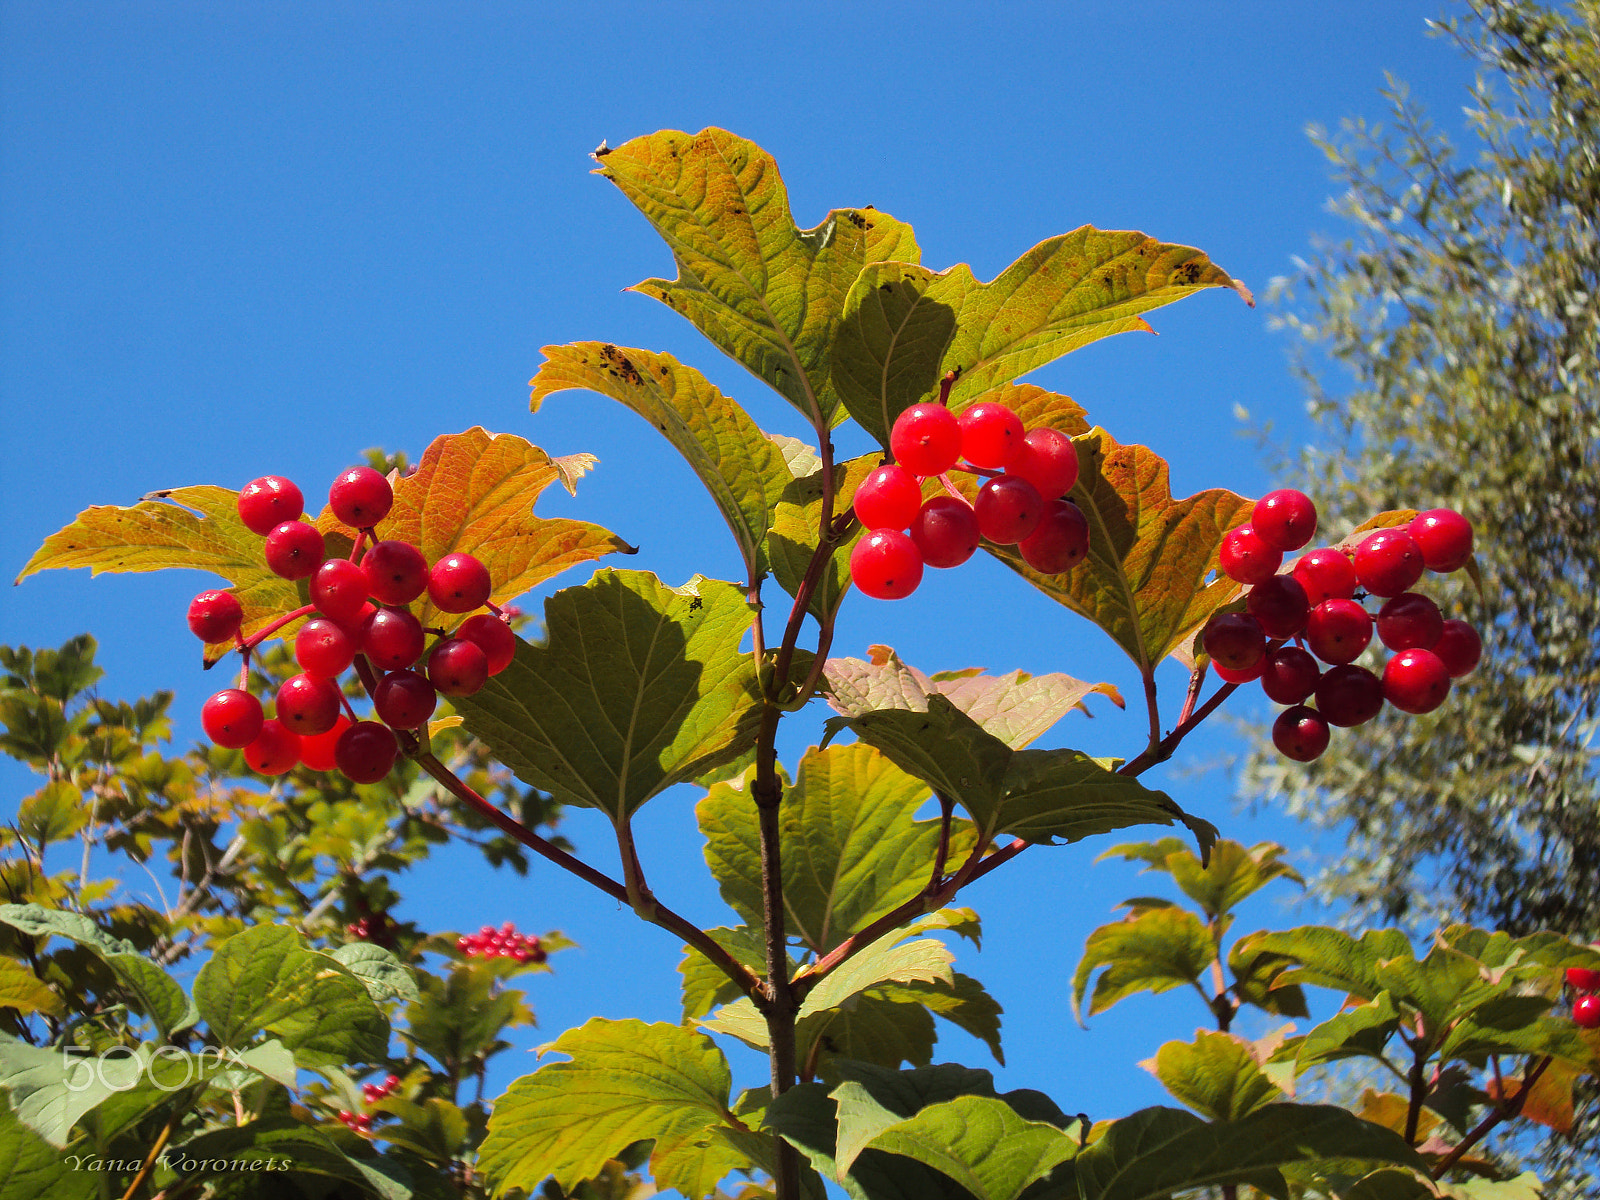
x: 1233, y: 873
x: 705, y: 985
x: 796, y: 520
x: 1154, y: 951
x: 1217, y: 1075
x: 741, y: 468
x: 639, y: 686
x: 52, y: 814
x: 1363, y: 1029
x: 24, y: 991
x: 1549, y: 1100
x: 766, y: 292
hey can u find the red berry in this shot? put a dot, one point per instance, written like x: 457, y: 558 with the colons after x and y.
x: 339, y: 589
x: 493, y: 636
x: 294, y: 550
x: 991, y: 434
x: 458, y: 667
x: 1409, y: 621
x: 1445, y: 538
x: 1584, y: 979
x: 1285, y: 519
x: 392, y: 638
x: 1459, y: 648
x: 1248, y: 675
x: 391, y: 1082
x: 888, y: 498
x: 404, y: 699
x: 459, y: 583
x: 1338, y: 631
x: 268, y: 502
x: 324, y: 647
x: 1348, y: 695
x: 361, y: 497
x: 316, y: 752
x: 366, y: 752
x: 1048, y: 460
x: 1388, y: 562
x: 308, y: 704
x: 1060, y: 542
x: 1280, y: 605
x: 1415, y: 681
x: 1300, y: 733
x: 926, y: 439
x: 1326, y: 574
x: 1586, y: 1012
x: 885, y: 565
x: 1245, y: 558
x: 215, y: 616
x: 945, y: 531
x: 1289, y: 674
x: 1234, y: 640
x: 276, y: 749
x: 232, y: 718
x: 1008, y: 509
x: 396, y: 572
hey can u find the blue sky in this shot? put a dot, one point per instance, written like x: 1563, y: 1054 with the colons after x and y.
x: 259, y: 238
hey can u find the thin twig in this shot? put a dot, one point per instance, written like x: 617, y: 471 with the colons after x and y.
x: 1501, y: 1112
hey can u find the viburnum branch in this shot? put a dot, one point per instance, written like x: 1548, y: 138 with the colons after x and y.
x: 1417, y: 1078
x: 1163, y: 749
x: 640, y: 898
x: 271, y: 627
x: 1504, y: 1110
x: 1191, y: 695
x: 946, y: 812
x: 1153, y: 707
x: 150, y: 1159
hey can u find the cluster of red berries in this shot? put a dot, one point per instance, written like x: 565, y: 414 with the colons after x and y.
x: 504, y: 942
x: 1318, y: 604
x: 359, y: 617
x: 1018, y: 505
x: 359, y: 1122
x: 376, y: 928
x: 371, y: 1093
x: 1586, y: 1008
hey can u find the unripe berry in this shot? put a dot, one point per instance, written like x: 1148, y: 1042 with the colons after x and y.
x: 1338, y: 631
x: 1060, y: 542
x: 1325, y: 574
x: 404, y: 699
x: 991, y: 434
x: 1048, y: 460
x: 1445, y: 538
x: 1280, y: 605
x: 268, y: 502
x: 1245, y: 558
x: 1415, y: 681
x: 1300, y: 733
x: 1388, y: 562
x: 1008, y: 509
x: 888, y: 498
x: 294, y: 550
x: 1410, y: 621
x: 396, y: 572
x: 1459, y: 648
x: 361, y: 497
x: 339, y: 589
x: 232, y: 718
x: 1284, y: 519
x: 1234, y: 640
x: 458, y: 667
x: 1289, y: 675
x: 926, y: 439
x: 366, y: 752
x: 308, y: 704
x: 493, y: 636
x: 945, y: 531
x: 1348, y: 695
x: 215, y: 616
x: 276, y: 749
x: 885, y: 565
x: 459, y: 583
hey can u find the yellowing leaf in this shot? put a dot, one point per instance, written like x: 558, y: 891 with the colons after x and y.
x: 1152, y: 951
x: 796, y: 522
x: 639, y: 686
x: 765, y: 291
x: 24, y: 991
x: 741, y: 468
x: 1217, y: 1075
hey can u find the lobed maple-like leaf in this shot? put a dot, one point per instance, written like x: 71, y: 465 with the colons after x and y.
x: 1234, y: 872
x: 1155, y: 950
x: 766, y: 292
x: 1217, y: 1075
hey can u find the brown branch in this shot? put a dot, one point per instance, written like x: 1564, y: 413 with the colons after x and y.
x: 1153, y: 708
x: 155, y: 1152
x: 1504, y: 1110
x: 1163, y: 749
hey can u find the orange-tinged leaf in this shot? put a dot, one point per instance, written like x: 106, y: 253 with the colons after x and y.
x: 474, y: 492
x: 1035, y: 407
x: 1550, y: 1100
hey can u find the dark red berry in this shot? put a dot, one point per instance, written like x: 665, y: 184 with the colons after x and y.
x: 308, y: 704
x: 316, y: 752
x: 366, y: 752
x: 324, y: 647
x: 991, y: 434
x: 1388, y: 562
x: 1234, y: 640
x: 1586, y: 1012
x: 392, y: 638
x: 1348, y: 695
x: 1338, y: 631
x: 1445, y: 538
x: 945, y: 531
x: 1409, y: 621
x: 276, y: 749
x: 1245, y: 558
x: 1289, y: 675
x: 339, y: 589
x: 926, y: 439
x: 396, y: 572
x: 404, y: 699
x: 1048, y: 460
x: 1060, y: 542
x: 885, y: 565
x: 1285, y: 519
x: 1583, y: 979
x: 268, y: 502
x: 458, y: 667
x: 215, y: 616
x: 1326, y: 574
x: 232, y: 718
x: 1459, y: 648
x: 1280, y: 605
x: 493, y: 636
x: 888, y: 498
x: 1008, y: 509
x: 361, y: 497
x: 1300, y: 733
x: 459, y: 583
x: 1415, y: 681
x: 294, y: 550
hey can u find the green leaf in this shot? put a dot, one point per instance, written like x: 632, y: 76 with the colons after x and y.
x: 850, y: 847
x: 742, y: 469
x: 1217, y: 1075
x: 626, y: 1081
x: 1152, y: 951
x: 282, y: 1139
x: 766, y: 292
x: 1389, y: 1183
x: 264, y: 979
x: 921, y: 960
x: 963, y: 1002
x: 1144, y: 581
x: 1363, y: 1030
x: 50, y: 1089
x: 1233, y: 873
x: 33, y: 1169
x: 435, y: 1128
x: 1326, y: 957
x: 383, y: 975
x: 905, y: 326
x: 24, y: 991
x: 52, y: 814
x: 796, y: 522
x: 638, y: 687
